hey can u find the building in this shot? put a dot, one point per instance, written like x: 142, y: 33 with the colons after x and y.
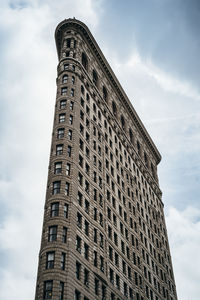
x: 104, y: 234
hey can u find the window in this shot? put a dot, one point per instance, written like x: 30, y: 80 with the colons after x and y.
x: 52, y: 233
x: 66, y: 66
x: 96, y: 286
x: 111, y: 276
x: 60, y: 133
x: 69, y: 151
x: 61, y: 118
x: 58, y: 167
x: 56, y: 187
x: 72, y: 93
x: 103, y: 292
x: 73, y: 79
x: 48, y: 288
x: 50, y: 256
x: 105, y: 94
x: 70, y: 119
x: 66, y: 209
x: 114, y: 108
x: 59, y: 149
x: 101, y: 263
x: 67, y: 188
x: 68, y: 43
x: 86, y: 251
x: 131, y: 135
x: 78, y: 270
x: 95, y: 77
x: 61, y: 290
x: 84, y: 61
x: 71, y: 106
x: 64, y: 235
x: 118, y: 282
x: 64, y: 91
x: 95, y: 258
x: 64, y: 78
x: 122, y: 122
x: 63, y: 104
x: 86, y: 277
x: 68, y: 168
x: 70, y: 134
x: 78, y: 244
x: 54, y: 209
x: 62, y: 261
x: 81, y: 145
x: 77, y: 295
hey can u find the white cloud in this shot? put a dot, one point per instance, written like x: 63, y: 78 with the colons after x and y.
x: 28, y: 91
x: 184, y: 238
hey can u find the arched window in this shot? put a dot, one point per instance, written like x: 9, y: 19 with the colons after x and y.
x: 95, y: 77
x: 114, y: 108
x: 105, y: 94
x: 131, y: 135
x: 64, y: 78
x: 84, y: 61
x: 122, y: 122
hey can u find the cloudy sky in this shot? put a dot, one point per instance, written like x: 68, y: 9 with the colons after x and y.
x: 153, y: 48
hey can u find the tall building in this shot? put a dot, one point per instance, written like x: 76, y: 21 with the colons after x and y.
x: 104, y: 234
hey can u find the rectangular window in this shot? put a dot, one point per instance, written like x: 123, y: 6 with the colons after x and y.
x: 69, y: 151
x: 72, y: 93
x: 64, y: 91
x: 66, y: 209
x: 86, y: 251
x: 70, y: 119
x: 56, y: 187
x: 77, y: 295
x: 67, y: 189
x: 55, y: 209
x: 70, y: 134
x: 60, y: 133
x: 95, y: 258
x: 58, y: 168
x: 68, y: 168
x: 78, y: 244
x: 62, y: 261
x: 63, y: 104
x: 52, y: 236
x: 96, y: 286
x: 48, y: 289
x: 59, y: 149
x: 71, y: 106
x: 78, y: 270
x: 64, y: 235
x: 50, y: 257
x: 61, y: 291
x: 61, y: 118
x: 86, y: 277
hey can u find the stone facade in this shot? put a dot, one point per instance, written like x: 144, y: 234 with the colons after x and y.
x: 104, y: 234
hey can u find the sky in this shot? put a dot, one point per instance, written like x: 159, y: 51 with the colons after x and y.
x: 153, y: 48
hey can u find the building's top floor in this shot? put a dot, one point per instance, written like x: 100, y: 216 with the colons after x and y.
x: 105, y: 73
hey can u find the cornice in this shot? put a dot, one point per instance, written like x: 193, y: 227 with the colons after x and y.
x: 81, y: 27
